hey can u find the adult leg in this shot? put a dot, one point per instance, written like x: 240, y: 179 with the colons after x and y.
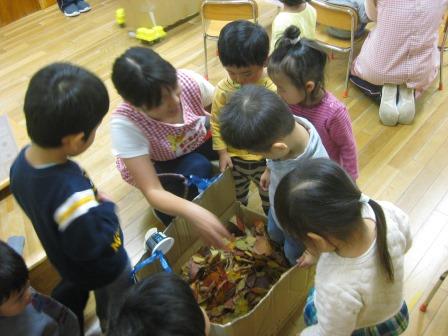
x: 73, y: 297
x: 190, y: 164
x: 107, y: 297
x: 371, y: 90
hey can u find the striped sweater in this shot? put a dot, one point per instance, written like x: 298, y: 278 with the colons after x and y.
x: 80, y: 233
x: 332, y: 121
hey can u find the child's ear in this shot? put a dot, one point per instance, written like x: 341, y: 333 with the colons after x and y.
x: 279, y: 147
x: 309, y: 86
x: 73, y: 142
x: 322, y: 244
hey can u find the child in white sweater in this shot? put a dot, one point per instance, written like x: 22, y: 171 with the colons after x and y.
x: 359, y: 275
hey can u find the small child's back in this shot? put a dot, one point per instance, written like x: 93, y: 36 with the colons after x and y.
x: 80, y: 234
x: 304, y: 20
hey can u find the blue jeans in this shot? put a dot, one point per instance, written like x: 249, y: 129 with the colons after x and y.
x: 293, y: 249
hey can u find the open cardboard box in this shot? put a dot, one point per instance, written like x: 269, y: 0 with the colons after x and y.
x: 286, y: 298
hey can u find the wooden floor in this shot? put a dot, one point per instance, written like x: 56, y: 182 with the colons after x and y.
x: 407, y: 165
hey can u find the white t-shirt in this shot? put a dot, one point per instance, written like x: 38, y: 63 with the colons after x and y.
x: 353, y: 293
x: 127, y: 139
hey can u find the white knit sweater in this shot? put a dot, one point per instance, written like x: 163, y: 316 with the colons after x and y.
x: 353, y: 293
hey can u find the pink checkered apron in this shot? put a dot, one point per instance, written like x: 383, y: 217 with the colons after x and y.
x: 170, y: 141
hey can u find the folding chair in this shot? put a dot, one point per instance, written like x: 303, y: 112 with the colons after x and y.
x: 216, y: 14
x: 443, y: 33
x: 340, y: 17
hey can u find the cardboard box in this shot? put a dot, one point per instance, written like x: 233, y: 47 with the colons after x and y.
x: 286, y: 298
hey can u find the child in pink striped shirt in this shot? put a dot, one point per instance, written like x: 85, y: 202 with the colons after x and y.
x: 297, y: 68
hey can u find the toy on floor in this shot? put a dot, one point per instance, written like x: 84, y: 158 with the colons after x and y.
x: 146, y: 35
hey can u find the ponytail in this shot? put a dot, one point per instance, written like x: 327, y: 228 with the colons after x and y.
x: 381, y: 240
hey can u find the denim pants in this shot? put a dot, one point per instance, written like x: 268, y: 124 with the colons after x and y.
x: 293, y: 249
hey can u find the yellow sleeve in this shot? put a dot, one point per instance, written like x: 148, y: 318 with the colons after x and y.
x: 219, y: 101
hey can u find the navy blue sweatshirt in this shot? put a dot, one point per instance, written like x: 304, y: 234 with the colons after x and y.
x: 80, y: 233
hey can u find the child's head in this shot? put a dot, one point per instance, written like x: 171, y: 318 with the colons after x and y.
x: 161, y: 304
x: 148, y: 82
x: 257, y: 120
x: 296, y: 66
x: 15, y: 293
x: 243, y: 48
x: 64, y: 105
x: 293, y: 3
x: 319, y: 204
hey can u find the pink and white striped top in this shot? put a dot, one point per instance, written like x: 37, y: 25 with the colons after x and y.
x: 169, y: 141
x: 402, y: 48
x: 332, y: 121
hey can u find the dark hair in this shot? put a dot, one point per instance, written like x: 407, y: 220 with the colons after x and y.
x: 63, y: 99
x: 293, y: 3
x: 254, y: 119
x: 13, y: 272
x: 243, y: 43
x: 161, y: 305
x: 318, y: 196
x: 140, y: 74
x: 300, y: 61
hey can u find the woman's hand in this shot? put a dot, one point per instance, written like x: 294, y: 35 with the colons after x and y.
x: 208, y: 226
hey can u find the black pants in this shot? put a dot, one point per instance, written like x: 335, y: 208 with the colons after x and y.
x: 73, y: 297
x: 370, y: 90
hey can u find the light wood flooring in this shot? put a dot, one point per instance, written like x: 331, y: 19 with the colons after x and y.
x: 407, y: 165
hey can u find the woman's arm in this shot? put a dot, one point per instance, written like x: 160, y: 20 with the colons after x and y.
x: 146, y: 179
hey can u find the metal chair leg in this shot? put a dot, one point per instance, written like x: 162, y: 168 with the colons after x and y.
x: 441, y: 69
x: 349, y: 65
x: 424, y: 305
x: 205, y: 56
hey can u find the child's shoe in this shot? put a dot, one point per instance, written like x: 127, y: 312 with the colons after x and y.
x: 388, y: 107
x: 83, y: 6
x: 406, y: 105
x: 71, y: 10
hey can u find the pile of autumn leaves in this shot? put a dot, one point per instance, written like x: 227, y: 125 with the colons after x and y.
x: 228, y: 284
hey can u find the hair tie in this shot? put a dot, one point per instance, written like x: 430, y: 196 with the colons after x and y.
x: 295, y: 40
x: 364, y: 198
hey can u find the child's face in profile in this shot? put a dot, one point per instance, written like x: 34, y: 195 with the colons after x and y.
x: 16, y: 303
x: 245, y: 75
x: 287, y: 90
x: 169, y: 108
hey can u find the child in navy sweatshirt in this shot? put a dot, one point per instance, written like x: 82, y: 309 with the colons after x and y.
x: 79, y: 230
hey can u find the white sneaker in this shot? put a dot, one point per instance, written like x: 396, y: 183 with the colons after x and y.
x: 388, y: 107
x: 406, y: 105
